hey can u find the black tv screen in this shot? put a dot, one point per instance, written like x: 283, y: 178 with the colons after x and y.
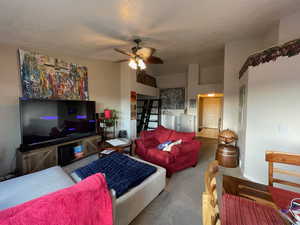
x: 46, y: 122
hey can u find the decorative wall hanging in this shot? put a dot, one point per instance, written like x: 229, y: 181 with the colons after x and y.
x: 172, y: 98
x: 144, y: 78
x: 289, y: 49
x: 133, y: 105
x: 51, y: 78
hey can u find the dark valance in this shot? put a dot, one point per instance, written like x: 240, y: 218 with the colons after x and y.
x: 289, y: 49
x: 144, y: 78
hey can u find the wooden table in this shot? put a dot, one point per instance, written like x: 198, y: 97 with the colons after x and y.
x: 120, y: 148
x: 247, y: 189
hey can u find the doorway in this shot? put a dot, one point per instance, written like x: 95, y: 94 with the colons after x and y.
x: 210, y: 113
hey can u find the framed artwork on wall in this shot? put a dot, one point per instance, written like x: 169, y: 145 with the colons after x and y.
x: 172, y: 98
x: 52, y: 78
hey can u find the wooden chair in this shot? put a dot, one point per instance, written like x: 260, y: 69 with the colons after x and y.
x: 210, y: 207
x: 284, y: 158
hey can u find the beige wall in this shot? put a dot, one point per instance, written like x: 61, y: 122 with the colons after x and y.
x: 271, y: 36
x: 104, y: 88
x: 236, y: 53
x: 289, y: 28
x: 175, y: 80
x: 211, y: 74
x: 166, y: 69
x: 266, y: 124
x: 194, y: 88
x: 272, y: 113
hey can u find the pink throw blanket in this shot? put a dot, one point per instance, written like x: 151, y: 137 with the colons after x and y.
x: 86, y: 203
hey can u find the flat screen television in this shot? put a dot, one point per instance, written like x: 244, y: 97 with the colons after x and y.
x: 48, y: 122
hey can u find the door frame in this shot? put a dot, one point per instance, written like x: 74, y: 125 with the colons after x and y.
x: 208, y: 95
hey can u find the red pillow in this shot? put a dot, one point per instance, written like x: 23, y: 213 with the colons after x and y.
x: 184, y: 136
x: 160, y: 127
x: 150, y: 143
x: 147, y: 134
x: 162, y: 134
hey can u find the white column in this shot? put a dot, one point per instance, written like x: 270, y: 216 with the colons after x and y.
x: 125, y: 76
x: 193, y: 90
x: 193, y: 81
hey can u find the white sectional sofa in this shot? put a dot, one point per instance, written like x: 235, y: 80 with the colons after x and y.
x: 22, y: 189
x: 127, y: 207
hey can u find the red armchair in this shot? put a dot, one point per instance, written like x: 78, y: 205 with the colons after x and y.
x: 180, y: 157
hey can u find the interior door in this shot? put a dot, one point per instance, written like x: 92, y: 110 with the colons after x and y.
x: 211, y: 112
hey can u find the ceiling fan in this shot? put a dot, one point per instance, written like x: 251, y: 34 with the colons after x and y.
x: 140, y: 56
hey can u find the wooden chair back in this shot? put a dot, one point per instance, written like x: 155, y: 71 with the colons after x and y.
x: 284, y: 158
x: 210, y: 207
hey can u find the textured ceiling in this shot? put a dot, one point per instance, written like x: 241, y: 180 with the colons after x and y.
x: 179, y: 29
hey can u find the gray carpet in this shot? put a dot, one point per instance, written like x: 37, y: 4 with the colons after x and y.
x: 180, y: 203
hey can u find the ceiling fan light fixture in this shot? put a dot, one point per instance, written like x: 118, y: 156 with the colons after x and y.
x: 132, y: 64
x: 141, y: 64
x: 139, y: 55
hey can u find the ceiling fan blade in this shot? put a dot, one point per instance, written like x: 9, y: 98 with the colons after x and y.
x: 154, y: 60
x: 122, y: 60
x: 124, y: 52
x: 145, y: 52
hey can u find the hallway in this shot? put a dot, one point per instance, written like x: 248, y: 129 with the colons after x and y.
x: 208, y: 133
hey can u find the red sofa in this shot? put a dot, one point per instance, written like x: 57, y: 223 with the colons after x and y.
x: 180, y: 157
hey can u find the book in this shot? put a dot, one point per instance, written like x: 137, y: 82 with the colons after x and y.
x: 107, y: 151
x: 117, y: 141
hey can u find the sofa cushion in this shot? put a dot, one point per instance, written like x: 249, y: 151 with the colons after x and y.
x: 145, y: 134
x: 150, y: 142
x: 162, y: 134
x: 176, y: 150
x: 184, y: 136
x: 159, y: 157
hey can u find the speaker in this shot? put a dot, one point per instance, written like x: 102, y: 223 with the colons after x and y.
x: 122, y: 134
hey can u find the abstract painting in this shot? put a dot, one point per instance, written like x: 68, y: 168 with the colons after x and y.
x: 133, y: 104
x: 172, y: 98
x: 51, y: 78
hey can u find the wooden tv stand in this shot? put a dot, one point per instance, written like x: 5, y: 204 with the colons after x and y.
x: 43, y: 158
